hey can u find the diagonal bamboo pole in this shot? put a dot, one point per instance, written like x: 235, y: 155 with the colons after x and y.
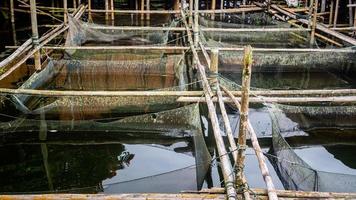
x: 223, y: 155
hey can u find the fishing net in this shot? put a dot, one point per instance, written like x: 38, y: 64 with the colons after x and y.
x: 254, y: 38
x: 294, y: 172
x: 81, y: 33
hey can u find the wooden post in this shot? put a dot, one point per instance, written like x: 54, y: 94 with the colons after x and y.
x: 65, y: 14
x: 214, y: 63
x: 191, y: 13
x: 12, y: 13
x: 79, y: 2
x: 246, y: 79
x: 142, y: 9
x: 213, y: 6
x: 176, y: 5
x: 336, y: 12
x: 112, y: 11
x: 350, y: 14
x: 35, y: 42
x: 310, y: 14
x: 196, y: 23
x: 313, y: 26
x: 222, y: 15
x: 89, y: 10
x: 323, y: 6
x: 106, y: 10
x: 148, y: 3
x: 74, y: 4
x: 331, y: 12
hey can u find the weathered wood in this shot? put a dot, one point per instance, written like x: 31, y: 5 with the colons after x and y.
x: 35, y: 42
x: 266, y: 94
x: 331, y: 12
x: 205, y: 53
x: 350, y: 14
x: 207, y: 48
x: 191, y: 13
x: 20, y: 50
x: 43, y: 40
x: 196, y: 23
x: 318, y: 26
x: 258, y: 151
x: 300, y: 100
x: 246, y: 80
x: 148, y: 3
x: 313, y: 25
x: 213, y: 6
x: 65, y: 7
x: 226, y: 167
x: 336, y: 12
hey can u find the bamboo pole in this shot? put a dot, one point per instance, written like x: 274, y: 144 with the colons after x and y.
x: 246, y: 79
x: 44, y: 40
x: 229, y: 134
x: 313, y: 26
x: 226, y: 167
x: 112, y: 10
x: 106, y: 10
x: 37, y: 56
x: 148, y: 8
x: 89, y: 10
x: 336, y: 12
x: 74, y: 4
x: 213, y: 6
x: 300, y: 100
x: 12, y: 13
x: 261, y: 159
x: 65, y: 14
x: 214, y: 64
x: 231, y: 10
x: 191, y: 13
x: 142, y: 9
x: 350, y: 14
x: 205, y: 53
x: 196, y: 23
x: 331, y: 12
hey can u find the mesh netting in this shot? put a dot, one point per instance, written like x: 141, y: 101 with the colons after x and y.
x: 257, y: 39
x: 81, y: 33
x: 293, y: 171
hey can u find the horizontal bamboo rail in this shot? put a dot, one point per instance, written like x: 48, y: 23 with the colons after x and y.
x: 338, y: 100
x: 43, y: 41
x: 146, y: 47
x: 230, y: 10
x: 264, y: 93
x: 212, y: 194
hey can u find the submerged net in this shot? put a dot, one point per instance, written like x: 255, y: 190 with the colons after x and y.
x: 293, y: 171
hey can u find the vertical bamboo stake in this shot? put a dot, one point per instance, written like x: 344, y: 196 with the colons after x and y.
x: 148, y: 16
x: 196, y: 23
x: 272, y: 195
x: 65, y: 8
x: 74, y: 4
x: 313, y: 27
x: 350, y: 14
x: 310, y: 13
x: 142, y: 9
x: 331, y: 12
x: 89, y: 10
x: 221, y: 8
x: 214, y: 64
x: 112, y: 11
x: 336, y: 12
x: 213, y: 6
x: 191, y: 13
x: 12, y: 13
x: 79, y: 2
x: 246, y: 79
x: 323, y: 5
x: 35, y: 42
x: 355, y: 19
x: 229, y: 134
x: 106, y: 10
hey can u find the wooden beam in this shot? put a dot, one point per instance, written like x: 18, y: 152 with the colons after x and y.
x: 37, y: 56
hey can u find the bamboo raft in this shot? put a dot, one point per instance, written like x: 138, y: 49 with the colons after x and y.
x: 205, y: 61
